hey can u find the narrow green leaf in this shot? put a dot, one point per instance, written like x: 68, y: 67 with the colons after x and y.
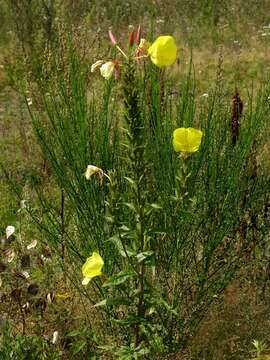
x: 144, y: 255
x: 119, y: 278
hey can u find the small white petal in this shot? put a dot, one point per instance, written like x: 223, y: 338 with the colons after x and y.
x: 25, y: 274
x: 86, y: 281
x: 9, y: 231
x: 1, y: 282
x: 32, y: 245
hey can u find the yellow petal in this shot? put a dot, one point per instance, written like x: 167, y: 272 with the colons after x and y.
x: 92, y: 267
x: 187, y: 140
x: 163, y: 51
x: 63, y: 296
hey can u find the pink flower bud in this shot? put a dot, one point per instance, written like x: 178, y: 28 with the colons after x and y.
x: 113, y: 40
x: 138, y: 35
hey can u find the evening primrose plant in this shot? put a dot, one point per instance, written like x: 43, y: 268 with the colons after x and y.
x: 157, y: 207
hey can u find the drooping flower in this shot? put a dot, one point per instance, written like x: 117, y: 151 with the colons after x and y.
x: 55, y: 337
x: 91, y: 170
x: 96, y: 65
x: 107, y: 69
x: 92, y: 268
x: 9, y: 255
x: 187, y: 139
x: 163, y: 51
x: 9, y: 231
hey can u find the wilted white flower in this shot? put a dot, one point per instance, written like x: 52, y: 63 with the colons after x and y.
x: 44, y: 258
x: 96, y: 65
x: 9, y: 255
x: 22, y: 204
x: 50, y: 297
x: 32, y: 245
x: 9, y: 231
x: 24, y: 274
x: 26, y: 306
x: 107, y: 69
x: 29, y: 101
x: 55, y: 337
x: 91, y: 170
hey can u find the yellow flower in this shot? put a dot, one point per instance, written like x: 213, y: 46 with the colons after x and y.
x: 107, y: 69
x: 92, y: 267
x: 187, y: 139
x: 163, y: 51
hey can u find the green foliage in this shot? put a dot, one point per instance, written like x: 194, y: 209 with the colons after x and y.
x: 170, y: 230
x: 20, y: 347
